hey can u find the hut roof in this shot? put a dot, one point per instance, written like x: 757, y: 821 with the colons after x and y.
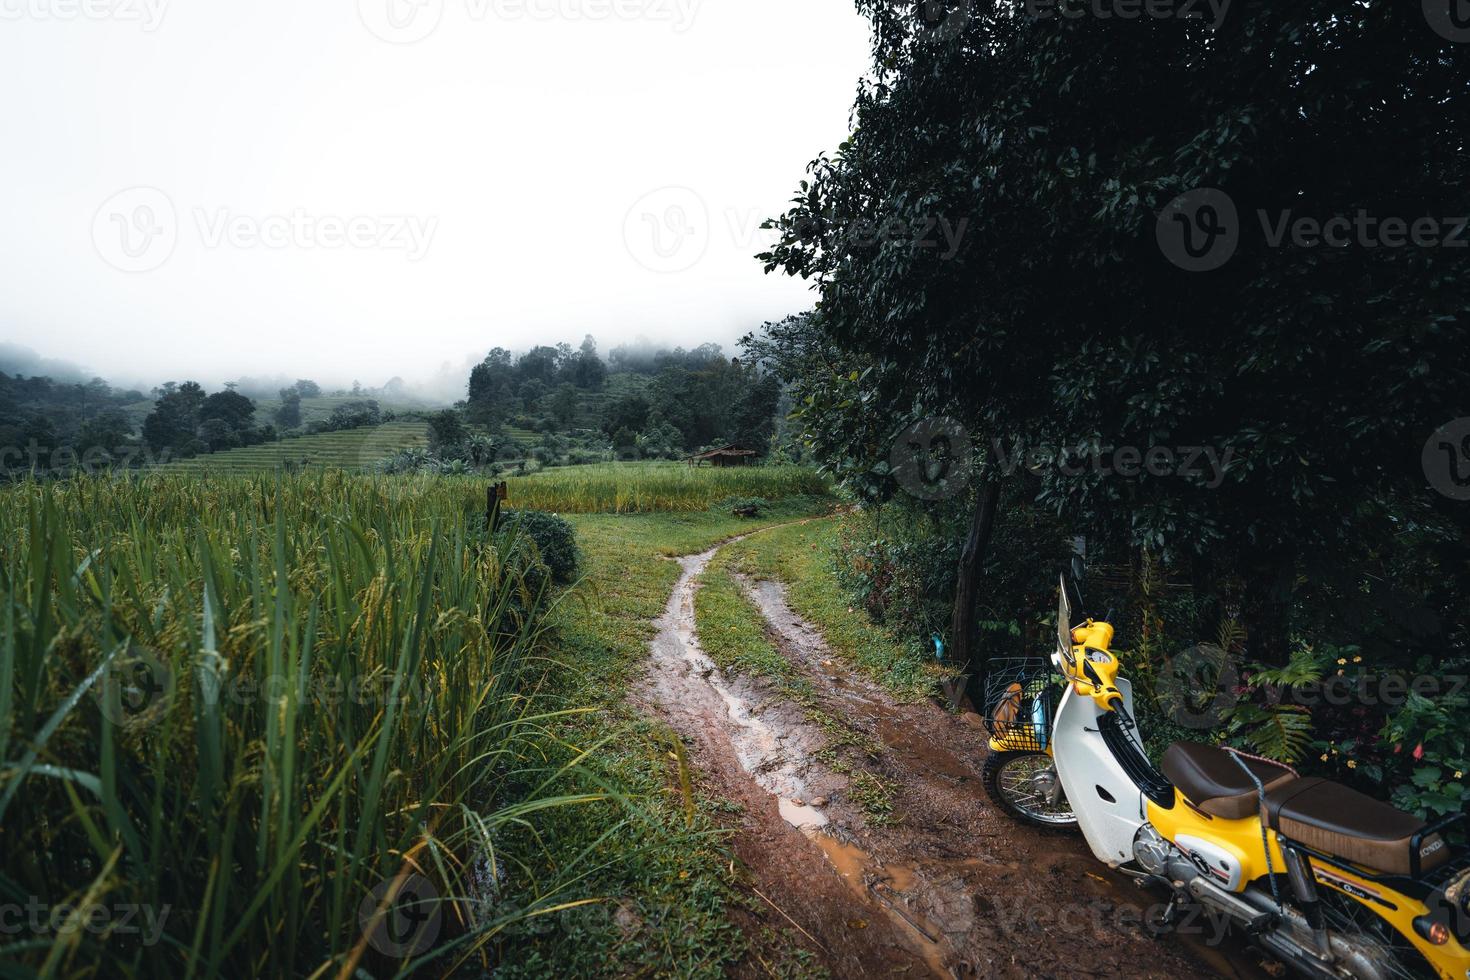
x: 725, y: 451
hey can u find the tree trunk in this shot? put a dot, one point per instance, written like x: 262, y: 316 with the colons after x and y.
x: 963, y: 648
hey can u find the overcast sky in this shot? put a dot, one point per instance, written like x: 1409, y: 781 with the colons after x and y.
x: 357, y: 189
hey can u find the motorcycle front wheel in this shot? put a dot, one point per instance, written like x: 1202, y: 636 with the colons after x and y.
x: 1025, y: 786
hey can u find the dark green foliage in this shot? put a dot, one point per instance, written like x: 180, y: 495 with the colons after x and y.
x: 50, y: 427
x: 754, y: 421
x: 1059, y: 320
x: 359, y: 414
x: 744, y: 506
x: 656, y: 404
x: 898, y: 562
x: 446, y: 429
x: 175, y: 416
x: 555, y: 540
x: 186, y: 422
x: 629, y: 412
x: 288, y: 416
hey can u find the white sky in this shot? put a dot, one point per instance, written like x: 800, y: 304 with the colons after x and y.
x: 502, y: 164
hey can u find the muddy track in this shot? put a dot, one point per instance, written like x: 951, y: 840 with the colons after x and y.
x: 866, y: 832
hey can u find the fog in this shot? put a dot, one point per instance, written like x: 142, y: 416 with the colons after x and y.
x: 358, y: 190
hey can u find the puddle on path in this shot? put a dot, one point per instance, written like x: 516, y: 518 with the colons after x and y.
x: 776, y: 746
x: 772, y: 741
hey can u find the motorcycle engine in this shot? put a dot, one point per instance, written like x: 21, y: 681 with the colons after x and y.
x: 1152, y: 852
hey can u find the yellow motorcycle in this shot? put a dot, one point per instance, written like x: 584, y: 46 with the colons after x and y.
x: 1331, y: 882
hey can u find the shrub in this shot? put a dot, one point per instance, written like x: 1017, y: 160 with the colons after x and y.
x: 555, y: 540
x: 751, y: 505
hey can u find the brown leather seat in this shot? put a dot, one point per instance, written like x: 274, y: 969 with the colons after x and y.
x: 1213, y: 781
x: 1332, y: 818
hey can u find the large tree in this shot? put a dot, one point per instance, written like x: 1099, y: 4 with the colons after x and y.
x: 1049, y: 313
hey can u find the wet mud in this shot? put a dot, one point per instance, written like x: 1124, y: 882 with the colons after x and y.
x: 866, y: 833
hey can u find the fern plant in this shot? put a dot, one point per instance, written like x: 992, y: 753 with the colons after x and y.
x: 1266, y: 719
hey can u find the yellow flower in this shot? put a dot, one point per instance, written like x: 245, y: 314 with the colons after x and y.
x: 1324, y: 756
x: 1459, y: 775
x: 1352, y: 763
x: 1341, y: 660
x: 1357, y: 660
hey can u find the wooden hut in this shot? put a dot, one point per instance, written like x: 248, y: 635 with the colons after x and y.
x: 724, y: 456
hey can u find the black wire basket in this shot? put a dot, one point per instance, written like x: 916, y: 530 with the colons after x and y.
x: 1021, y: 697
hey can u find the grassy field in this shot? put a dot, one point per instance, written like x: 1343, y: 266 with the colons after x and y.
x: 631, y: 488
x: 352, y: 449
x: 242, y: 711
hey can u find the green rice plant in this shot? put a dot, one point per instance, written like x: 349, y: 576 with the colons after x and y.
x: 627, y: 488
x: 258, y: 712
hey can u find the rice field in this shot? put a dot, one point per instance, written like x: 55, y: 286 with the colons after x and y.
x: 628, y: 488
x: 524, y: 438
x: 353, y: 449
x: 269, y: 726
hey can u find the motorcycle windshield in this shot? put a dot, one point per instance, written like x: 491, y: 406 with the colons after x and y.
x: 1064, y: 621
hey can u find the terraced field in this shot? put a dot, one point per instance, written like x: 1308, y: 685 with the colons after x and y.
x: 350, y: 450
x: 522, y: 437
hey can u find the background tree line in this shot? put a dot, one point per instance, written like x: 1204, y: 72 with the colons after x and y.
x: 653, y: 403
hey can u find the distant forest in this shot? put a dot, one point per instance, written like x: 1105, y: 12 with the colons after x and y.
x: 552, y: 404
x: 656, y: 402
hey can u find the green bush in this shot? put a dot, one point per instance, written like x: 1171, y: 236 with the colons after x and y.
x: 555, y: 540
x: 754, y: 505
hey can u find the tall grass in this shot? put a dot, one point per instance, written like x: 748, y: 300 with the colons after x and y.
x: 248, y: 709
x: 625, y: 488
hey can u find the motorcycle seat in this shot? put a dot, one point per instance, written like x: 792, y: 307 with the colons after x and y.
x: 1338, y: 820
x: 1211, y: 779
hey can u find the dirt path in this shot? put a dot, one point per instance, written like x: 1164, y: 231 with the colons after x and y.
x: 864, y: 825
